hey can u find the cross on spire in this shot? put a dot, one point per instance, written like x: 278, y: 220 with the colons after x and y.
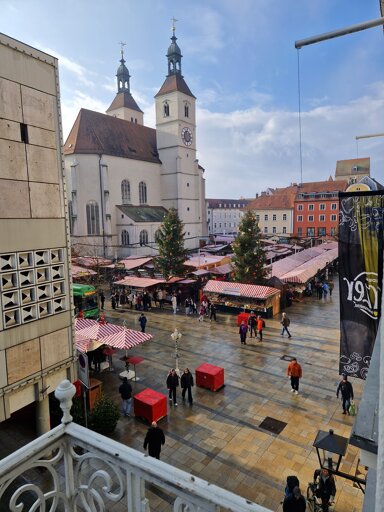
x: 174, y: 20
x: 122, y: 48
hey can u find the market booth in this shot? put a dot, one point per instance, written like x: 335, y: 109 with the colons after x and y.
x: 243, y: 298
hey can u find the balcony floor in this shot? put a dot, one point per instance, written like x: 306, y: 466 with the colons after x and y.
x: 219, y: 438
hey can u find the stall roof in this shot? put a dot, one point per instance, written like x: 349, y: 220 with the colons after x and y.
x: 91, y: 261
x: 130, y: 264
x: 201, y: 272
x: 203, y: 260
x: 139, y: 282
x: 77, y: 271
x: 222, y: 269
x: 240, y: 289
x: 307, y: 270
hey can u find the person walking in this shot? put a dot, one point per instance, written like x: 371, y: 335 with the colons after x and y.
x: 142, y: 322
x: 201, y: 313
x: 295, y: 372
x: 260, y: 326
x: 295, y: 502
x: 187, y: 384
x: 113, y: 301
x: 326, y: 489
x: 331, y: 286
x: 212, y: 312
x: 285, y: 322
x: 174, y: 303
x: 346, y: 390
x: 172, y: 384
x: 252, y: 323
x: 102, y: 299
x: 154, y: 439
x: 125, y: 391
x: 243, y: 333
x: 187, y: 305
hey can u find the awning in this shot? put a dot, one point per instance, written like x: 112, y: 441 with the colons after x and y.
x: 139, y: 282
x: 201, y: 272
x: 77, y: 272
x: 89, y: 261
x: 132, y: 264
x: 222, y: 269
x: 240, y: 289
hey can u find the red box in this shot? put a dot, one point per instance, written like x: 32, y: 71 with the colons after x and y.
x: 150, y: 404
x: 242, y: 317
x: 210, y: 376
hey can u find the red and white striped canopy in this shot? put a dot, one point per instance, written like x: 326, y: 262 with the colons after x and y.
x: 126, y: 339
x: 240, y: 289
x: 84, y: 344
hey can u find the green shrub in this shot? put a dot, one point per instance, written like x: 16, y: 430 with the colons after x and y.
x: 103, y: 419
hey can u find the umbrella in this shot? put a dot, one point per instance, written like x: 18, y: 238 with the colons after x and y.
x: 94, y: 330
x: 126, y: 339
x: 84, y: 344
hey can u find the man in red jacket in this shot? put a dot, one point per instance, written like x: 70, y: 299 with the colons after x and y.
x: 295, y: 372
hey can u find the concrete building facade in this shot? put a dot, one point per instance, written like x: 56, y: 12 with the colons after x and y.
x: 224, y: 215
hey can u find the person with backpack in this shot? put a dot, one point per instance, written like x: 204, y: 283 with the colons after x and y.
x: 260, y: 327
x: 285, y: 322
x: 295, y: 502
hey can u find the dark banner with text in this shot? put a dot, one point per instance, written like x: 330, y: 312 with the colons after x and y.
x: 361, y: 227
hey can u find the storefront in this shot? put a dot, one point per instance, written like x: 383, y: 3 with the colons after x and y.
x: 238, y: 297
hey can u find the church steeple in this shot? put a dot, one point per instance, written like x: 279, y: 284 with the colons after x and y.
x: 174, y: 54
x: 122, y: 74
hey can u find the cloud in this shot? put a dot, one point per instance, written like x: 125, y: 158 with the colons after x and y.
x: 81, y: 73
x: 71, y: 106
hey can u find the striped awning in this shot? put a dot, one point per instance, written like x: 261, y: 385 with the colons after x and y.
x: 240, y: 289
x: 126, y: 339
x: 84, y: 344
x: 139, y: 282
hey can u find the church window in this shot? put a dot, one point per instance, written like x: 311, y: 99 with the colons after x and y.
x: 125, y: 192
x: 157, y: 235
x: 142, y: 193
x: 124, y: 237
x: 143, y: 237
x: 186, y: 110
x: 166, y: 109
x: 93, y: 221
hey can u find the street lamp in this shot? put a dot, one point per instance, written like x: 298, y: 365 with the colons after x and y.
x: 176, y: 335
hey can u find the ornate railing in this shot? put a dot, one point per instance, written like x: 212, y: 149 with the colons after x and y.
x: 73, y: 469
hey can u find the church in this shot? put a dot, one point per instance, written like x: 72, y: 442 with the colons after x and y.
x: 123, y: 176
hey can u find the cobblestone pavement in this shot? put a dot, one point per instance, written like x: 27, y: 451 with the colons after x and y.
x: 219, y: 438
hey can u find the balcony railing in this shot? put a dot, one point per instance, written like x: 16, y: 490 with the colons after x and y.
x: 73, y: 469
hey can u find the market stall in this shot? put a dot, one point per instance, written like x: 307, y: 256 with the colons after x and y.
x: 238, y: 297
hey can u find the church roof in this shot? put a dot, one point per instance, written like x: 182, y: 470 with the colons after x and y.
x: 95, y: 133
x: 174, y: 83
x: 143, y: 213
x: 124, y: 99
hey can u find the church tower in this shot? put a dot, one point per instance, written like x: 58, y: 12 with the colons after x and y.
x: 124, y: 106
x: 181, y: 176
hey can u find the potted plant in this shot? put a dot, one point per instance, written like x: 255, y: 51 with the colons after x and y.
x: 103, y: 419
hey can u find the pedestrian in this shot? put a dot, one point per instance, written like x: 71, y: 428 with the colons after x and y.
x: 187, y: 384
x: 325, y: 290
x: 320, y: 291
x: 123, y: 299
x: 102, y: 320
x: 160, y: 298
x: 295, y: 372
x: 179, y: 298
x: 117, y: 299
x: 243, y: 333
x: 252, y: 323
x: 125, y: 391
x: 295, y: 502
x: 97, y: 359
x: 80, y: 314
x: 201, y: 313
x: 102, y: 299
x: 213, y: 312
x: 172, y: 384
x: 260, y: 327
x: 346, y: 390
x: 113, y: 301
x: 326, y: 489
x: 187, y: 305
x: 142, y: 322
x: 285, y: 322
x: 174, y: 303
x: 331, y: 286
x: 154, y: 439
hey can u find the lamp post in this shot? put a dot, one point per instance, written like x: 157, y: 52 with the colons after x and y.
x: 176, y: 335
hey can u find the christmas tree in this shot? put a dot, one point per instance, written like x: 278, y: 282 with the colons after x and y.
x: 249, y: 257
x: 170, y: 240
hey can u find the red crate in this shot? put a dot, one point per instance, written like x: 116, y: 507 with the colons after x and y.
x: 210, y: 376
x: 150, y: 404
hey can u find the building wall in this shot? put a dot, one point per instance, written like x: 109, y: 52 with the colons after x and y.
x: 224, y: 216
x: 275, y: 221
x: 36, y: 347
x: 316, y: 217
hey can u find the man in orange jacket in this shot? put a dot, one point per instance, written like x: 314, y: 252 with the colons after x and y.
x: 295, y: 372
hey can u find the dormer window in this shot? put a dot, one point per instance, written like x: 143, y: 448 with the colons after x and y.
x: 166, y: 109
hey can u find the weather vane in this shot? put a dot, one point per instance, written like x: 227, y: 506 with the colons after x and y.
x: 173, y: 24
x: 122, y: 48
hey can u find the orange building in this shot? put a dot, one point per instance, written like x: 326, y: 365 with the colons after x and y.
x: 316, y: 208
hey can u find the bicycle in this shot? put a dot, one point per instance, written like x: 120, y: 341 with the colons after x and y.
x: 314, y: 503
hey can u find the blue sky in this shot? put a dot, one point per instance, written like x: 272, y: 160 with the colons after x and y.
x: 240, y: 62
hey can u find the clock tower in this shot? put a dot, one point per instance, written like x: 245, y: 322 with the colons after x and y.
x: 182, y: 182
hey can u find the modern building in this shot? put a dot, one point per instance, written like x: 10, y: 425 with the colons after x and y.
x: 36, y: 347
x: 352, y: 170
x: 316, y: 210
x: 123, y: 176
x: 224, y: 215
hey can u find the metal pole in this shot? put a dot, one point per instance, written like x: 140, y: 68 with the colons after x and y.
x: 85, y: 406
x: 337, y: 33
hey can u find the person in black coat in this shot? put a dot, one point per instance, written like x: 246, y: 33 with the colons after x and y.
x: 346, y: 390
x: 326, y: 488
x: 186, y: 384
x: 154, y: 439
x: 295, y: 502
x: 172, y: 384
x: 142, y: 322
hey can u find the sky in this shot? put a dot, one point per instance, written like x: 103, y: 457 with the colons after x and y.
x: 240, y: 61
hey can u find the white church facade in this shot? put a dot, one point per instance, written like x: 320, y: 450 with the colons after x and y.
x: 123, y: 176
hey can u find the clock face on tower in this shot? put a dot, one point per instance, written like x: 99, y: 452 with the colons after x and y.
x: 186, y: 136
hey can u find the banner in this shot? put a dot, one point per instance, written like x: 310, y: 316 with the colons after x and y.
x: 361, y: 226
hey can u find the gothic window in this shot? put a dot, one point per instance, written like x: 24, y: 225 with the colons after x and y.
x: 142, y: 193
x: 93, y: 221
x: 124, y: 237
x: 186, y: 110
x: 143, y: 237
x: 166, y: 109
x: 125, y: 192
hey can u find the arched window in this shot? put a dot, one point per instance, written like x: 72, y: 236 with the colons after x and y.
x: 93, y: 221
x: 124, y: 237
x: 125, y: 192
x: 166, y: 109
x: 143, y: 237
x: 142, y: 193
x: 157, y: 235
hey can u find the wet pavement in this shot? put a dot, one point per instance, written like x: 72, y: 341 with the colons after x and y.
x: 220, y: 438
